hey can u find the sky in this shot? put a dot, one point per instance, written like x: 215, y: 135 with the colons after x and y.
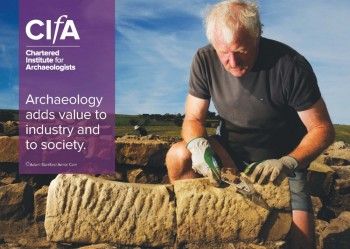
x: 156, y: 40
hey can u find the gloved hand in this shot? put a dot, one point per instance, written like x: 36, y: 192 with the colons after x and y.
x: 273, y: 168
x: 204, y: 159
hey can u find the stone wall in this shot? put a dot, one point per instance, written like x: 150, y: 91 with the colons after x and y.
x: 23, y: 208
x: 85, y: 209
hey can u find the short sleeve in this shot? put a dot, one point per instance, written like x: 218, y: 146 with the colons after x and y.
x: 198, y: 83
x: 301, y: 88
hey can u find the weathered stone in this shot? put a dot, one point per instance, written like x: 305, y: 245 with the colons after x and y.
x: 277, y: 197
x: 9, y: 149
x: 339, y: 204
x: 11, y: 128
x: 7, y: 180
x: 138, y: 152
x: 116, y: 176
x: 140, y: 176
x: 238, y: 245
x: 40, y: 197
x: 16, y: 200
x: 13, y: 227
x: 342, y: 183
x: 320, y: 226
x: 87, y: 209
x: 337, y: 155
x: 276, y: 226
x: 99, y: 246
x: 337, y: 233
x: 208, y: 214
x: 321, y: 178
x: 338, y: 145
x: 316, y: 204
x: 116, y: 246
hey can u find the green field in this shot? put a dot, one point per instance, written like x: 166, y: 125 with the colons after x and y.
x: 168, y: 128
x: 162, y: 126
x: 342, y: 133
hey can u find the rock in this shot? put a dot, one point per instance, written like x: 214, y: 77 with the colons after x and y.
x: 337, y: 233
x: 117, y: 176
x: 99, y: 246
x: 149, y: 137
x: 11, y: 128
x: 337, y: 159
x: 316, y: 205
x: 134, y: 151
x: 342, y: 183
x: 340, y: 204
x: 140, y: 176
x: 14, y: 228
x: 338, y: 145
x: 85, y: 209
x: 277, y: 226
x: 238, y: 245
x: 9, y: 149
x: 206, y: 214
x: 16, y: 200
x: 337, y: 154
x: 40, y: 197
x: 320, y: 226
x: 7, y: 180
x: 321, y: 179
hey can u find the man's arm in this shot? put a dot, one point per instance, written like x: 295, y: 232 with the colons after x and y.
x: 204, y: 159
x: 195, y: 114
x: 320, y: 134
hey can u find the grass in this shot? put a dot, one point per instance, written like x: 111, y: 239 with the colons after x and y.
x: 167, y: 128
x: 160, y: 130
x: 342, y: 133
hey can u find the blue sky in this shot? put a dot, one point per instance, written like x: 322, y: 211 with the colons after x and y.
x: 156, y: 39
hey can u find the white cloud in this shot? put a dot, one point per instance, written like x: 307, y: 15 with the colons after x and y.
x: 143, y: 9
x: 157, y: 62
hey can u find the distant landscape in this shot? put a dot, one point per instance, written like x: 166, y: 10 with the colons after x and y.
x: 168, y: 125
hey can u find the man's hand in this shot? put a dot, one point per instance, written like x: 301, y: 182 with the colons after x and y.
x: 274, y: 168
x: 204, y: 159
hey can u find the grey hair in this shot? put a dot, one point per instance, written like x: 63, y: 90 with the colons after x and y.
x: 230, y: 15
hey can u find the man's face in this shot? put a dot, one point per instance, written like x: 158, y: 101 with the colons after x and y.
x: 238, y: 57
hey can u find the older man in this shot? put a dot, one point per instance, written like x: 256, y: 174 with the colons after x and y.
x: 271, y: 108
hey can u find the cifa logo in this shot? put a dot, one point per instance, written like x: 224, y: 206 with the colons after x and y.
x: 69, y: 29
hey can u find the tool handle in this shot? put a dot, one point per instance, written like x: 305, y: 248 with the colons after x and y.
x: 250, y: 168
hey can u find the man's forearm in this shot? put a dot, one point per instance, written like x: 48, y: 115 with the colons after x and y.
x: 191, y: 129
x: 312, y: 145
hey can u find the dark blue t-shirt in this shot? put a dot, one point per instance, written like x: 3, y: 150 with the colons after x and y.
x: 259, y: 110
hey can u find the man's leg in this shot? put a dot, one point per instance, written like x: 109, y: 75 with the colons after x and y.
x: 302, y: 234
x: 179, y: 163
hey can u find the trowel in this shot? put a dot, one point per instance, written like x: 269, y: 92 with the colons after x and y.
x: 243, y: 185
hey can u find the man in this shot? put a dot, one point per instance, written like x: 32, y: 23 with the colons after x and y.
x: 271, y: 108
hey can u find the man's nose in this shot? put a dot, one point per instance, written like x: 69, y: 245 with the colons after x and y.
x: 233, y: 60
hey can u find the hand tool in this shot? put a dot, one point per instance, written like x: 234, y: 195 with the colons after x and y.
x: 243, y: 185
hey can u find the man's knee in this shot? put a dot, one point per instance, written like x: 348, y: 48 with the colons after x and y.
x: 178, y: 162
x: 178, y: 153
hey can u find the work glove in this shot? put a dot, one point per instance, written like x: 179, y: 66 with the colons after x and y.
x: 204, y: 160
x: 270, y: 170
